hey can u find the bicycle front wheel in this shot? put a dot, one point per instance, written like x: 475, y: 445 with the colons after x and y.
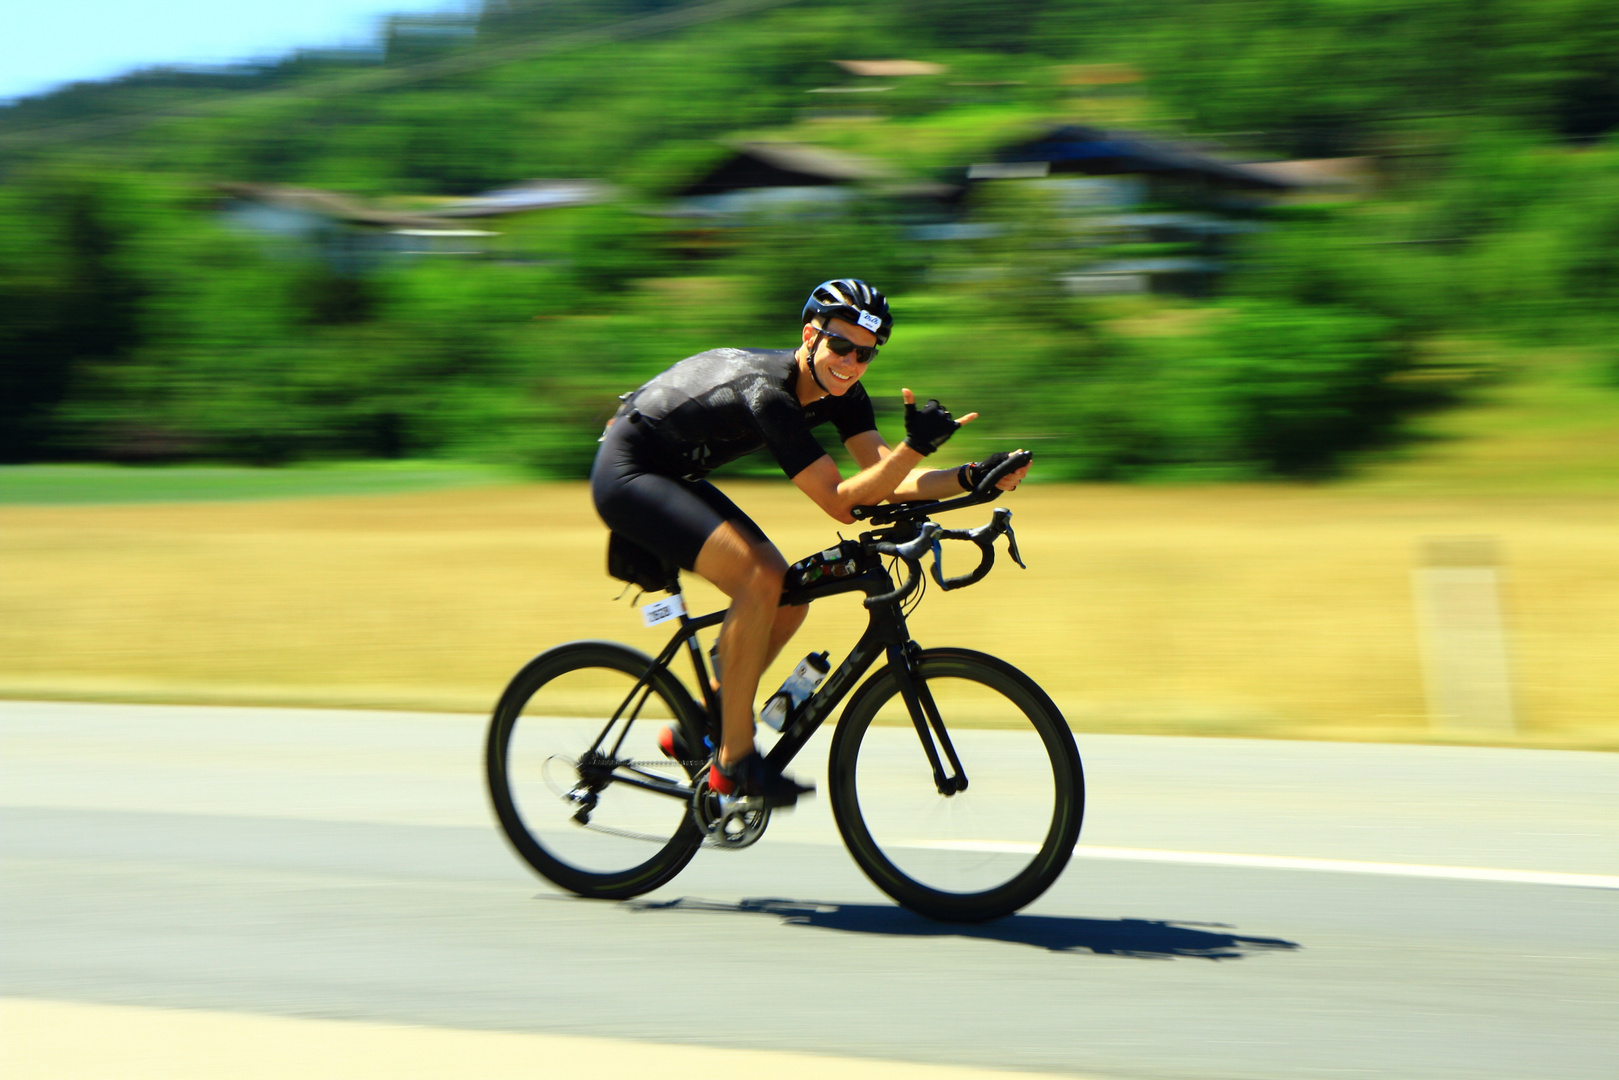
x: 578, y: 782
x: 979, y: 853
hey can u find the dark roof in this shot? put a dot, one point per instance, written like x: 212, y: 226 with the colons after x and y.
x: 1078, y: 149
x: 783, y: 164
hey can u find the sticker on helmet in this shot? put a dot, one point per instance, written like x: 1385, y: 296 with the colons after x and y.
x: 870, y: 321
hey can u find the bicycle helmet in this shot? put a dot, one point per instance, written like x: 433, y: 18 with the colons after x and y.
x: 853, y: 301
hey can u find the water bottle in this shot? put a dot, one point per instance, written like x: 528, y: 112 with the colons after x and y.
x: 796, y: 690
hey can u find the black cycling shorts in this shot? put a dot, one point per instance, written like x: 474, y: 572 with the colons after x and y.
x: 661, y: 512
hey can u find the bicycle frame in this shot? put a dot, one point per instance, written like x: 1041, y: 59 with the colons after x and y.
x: 886, y: 632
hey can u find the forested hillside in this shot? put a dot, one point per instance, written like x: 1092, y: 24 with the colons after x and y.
x: 137, y: 322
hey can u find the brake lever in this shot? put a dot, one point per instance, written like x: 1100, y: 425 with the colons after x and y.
x: 1011, y: 547
x: 910, y: 553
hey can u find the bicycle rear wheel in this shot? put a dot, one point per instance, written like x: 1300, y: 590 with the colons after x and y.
x: 609, y: 824
x: 979, y: 853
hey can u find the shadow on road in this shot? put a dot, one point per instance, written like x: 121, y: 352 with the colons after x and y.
x: 1146, y: 939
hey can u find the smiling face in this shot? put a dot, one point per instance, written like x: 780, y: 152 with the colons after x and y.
x: 827, y: 372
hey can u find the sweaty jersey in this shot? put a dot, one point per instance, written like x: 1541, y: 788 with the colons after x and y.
x: 721, y: 404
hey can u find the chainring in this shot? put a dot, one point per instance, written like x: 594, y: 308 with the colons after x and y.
x: 728, y: 822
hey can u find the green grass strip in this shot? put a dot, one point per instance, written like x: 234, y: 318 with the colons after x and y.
x: 42, y: 485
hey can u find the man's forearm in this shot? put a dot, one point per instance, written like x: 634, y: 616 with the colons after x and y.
x: 884, y: 480
x: 927, y: 484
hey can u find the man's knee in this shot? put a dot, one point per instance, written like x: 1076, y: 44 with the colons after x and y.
x: 738, y: 564
x: 769, y: 571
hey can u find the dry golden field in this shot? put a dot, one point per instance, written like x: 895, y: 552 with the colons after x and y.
x: 1241, y: 610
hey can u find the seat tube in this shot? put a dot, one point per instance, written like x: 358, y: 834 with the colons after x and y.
x: 705, y: 686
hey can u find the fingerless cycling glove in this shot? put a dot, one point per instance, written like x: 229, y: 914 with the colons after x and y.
x: 928, y: 428
x: 970, y: 475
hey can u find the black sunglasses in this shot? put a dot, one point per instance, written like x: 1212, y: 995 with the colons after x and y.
x: 863, y: 354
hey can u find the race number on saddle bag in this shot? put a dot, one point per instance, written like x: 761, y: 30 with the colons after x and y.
x: 629, y: 561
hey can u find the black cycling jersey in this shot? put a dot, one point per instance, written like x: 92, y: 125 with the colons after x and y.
x: 721, y: 404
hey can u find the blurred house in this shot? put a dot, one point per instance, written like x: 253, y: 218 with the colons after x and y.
x: 1162, y: 212
x: 792, y: 182
x: 1172, y: 171
x: 778, y: 177
x: 351, y: 233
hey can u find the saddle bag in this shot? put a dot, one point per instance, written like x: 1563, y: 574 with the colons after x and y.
x: 647, y: 570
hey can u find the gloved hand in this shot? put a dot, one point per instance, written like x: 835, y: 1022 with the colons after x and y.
x: 928, y: 428
x: 970, y: 475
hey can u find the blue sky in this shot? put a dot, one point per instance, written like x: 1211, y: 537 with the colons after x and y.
x: 45, y: 45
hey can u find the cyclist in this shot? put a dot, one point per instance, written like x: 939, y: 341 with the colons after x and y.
x: 649, y: 485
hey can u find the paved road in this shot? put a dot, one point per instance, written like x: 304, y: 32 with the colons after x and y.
x: 342, y: 865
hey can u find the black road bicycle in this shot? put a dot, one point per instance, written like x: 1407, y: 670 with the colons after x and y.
x: 942, y: 809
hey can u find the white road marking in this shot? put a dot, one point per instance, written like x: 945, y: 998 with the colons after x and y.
x: 1284, y: 862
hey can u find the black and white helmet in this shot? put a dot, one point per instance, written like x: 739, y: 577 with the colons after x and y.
x: 853, y: 301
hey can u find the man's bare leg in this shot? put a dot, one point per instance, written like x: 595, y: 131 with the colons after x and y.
x: 788, y: 620
x: 751, y: 574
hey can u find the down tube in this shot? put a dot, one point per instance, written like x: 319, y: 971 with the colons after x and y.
x: 826, y: 700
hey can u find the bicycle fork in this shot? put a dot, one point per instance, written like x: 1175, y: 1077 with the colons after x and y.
x: 925, y: 717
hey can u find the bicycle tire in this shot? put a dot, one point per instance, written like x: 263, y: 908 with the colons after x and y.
x: 950, y: 858
x: 545, y: 720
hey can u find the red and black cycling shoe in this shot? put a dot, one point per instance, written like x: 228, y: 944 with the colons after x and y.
x: 753, y: 778
x: 672, y: 741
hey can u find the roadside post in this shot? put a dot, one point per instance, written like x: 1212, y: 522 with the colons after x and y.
x: 1464, y: 648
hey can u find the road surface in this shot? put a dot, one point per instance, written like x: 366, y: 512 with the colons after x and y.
x: 1237, y: 909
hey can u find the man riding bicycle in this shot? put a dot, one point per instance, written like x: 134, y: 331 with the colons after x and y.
x: 649, y: 485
